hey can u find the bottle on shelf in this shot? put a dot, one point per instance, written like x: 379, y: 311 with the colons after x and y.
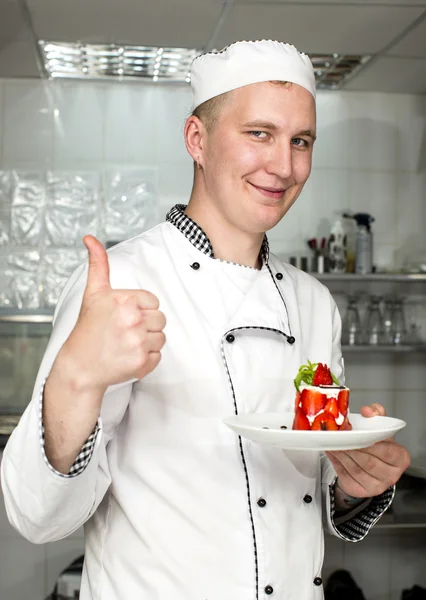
x: 337, y: 248
x: 364, y: 243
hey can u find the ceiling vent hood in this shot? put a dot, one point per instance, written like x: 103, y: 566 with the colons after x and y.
x: 150, y: 63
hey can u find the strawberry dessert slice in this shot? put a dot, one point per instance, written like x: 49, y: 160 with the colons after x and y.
x: 321, y: 403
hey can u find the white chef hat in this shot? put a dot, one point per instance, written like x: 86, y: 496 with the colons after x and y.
x: 243, y: 63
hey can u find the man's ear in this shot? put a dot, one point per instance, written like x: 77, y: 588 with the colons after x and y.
x: 195, y: 135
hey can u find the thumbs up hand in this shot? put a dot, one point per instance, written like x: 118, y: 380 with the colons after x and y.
x: 119, y: 333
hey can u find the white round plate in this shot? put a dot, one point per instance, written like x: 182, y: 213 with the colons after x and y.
x: 266, y: 428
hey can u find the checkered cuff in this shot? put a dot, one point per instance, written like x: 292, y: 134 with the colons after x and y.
x: 85, y: 454
x: 356, y: 527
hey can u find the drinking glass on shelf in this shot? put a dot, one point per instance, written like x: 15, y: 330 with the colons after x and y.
x: 414, y: 337
x: 351, y: 326
x: 414, y: 333
x: 399, y: 327
x: 387, y: 337
x: 373, y: 325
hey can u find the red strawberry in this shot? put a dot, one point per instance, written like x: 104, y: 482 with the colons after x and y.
x: 346, y: 425
x: 324, y: 422
x: 332, y: 407
x: 301, y: 421
x: 312, y: 401
x: 343, y: 401
x: 296, y: 401
x: 322, y: 375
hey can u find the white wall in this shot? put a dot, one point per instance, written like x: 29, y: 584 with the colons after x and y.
x: 370, y: 156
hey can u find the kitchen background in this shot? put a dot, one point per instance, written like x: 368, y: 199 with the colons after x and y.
x: 88, y: 136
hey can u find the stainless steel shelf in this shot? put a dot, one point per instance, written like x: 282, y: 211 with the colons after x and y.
x: 373, y: 277
x: 384, y: 349
x: 46, y: 315
x: 26, y: 316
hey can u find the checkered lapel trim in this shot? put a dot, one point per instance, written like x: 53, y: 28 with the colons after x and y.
x: 198, y: 238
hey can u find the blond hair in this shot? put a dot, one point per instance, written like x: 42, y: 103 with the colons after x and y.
x: 209, y: 111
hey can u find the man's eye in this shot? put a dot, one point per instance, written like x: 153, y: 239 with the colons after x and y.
x: 261, y: 135
x: 300, y: 142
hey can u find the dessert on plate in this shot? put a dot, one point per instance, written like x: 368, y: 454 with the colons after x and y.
x: 322, y: 404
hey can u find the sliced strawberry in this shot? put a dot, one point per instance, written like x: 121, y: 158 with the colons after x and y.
x: 331, y: 407
x: 346, y: 425
x: 296, y: 401
x: 343, y: 401
x: 301, y: 421
x: 312, y: 401
x: 322, y: 375
x: 324, y: 422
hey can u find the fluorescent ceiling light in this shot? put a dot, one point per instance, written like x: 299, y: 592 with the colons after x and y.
x: 112, y: 61
x: 96, y: 61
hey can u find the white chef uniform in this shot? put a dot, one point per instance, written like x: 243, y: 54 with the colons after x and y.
x: 175, y: 505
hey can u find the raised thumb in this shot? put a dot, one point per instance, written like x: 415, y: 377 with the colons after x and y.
x: 98, y: 275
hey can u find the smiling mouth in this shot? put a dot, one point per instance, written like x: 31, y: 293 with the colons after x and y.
x: 270, y: 192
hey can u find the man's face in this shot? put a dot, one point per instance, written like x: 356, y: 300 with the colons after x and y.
x: 257, y: 157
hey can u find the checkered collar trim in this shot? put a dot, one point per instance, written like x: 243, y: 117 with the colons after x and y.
x: 198, y: 238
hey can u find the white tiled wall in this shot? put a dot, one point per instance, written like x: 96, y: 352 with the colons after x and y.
x: 370, y: 156
x: 27, y: 123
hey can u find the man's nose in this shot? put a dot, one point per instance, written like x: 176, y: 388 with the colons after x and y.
x: 281, y: 161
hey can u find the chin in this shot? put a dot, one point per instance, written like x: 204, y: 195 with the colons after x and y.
x: 256, y: 226
x: 270, y: 216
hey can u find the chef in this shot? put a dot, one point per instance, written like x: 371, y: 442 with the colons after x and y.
x: 174, y: 505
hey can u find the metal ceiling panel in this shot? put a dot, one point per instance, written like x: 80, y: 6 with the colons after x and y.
x: 315, y: 26
x: 12, y: 25
x: 19, y: 59
x: 18, y: 53
x: 397, y: 75
x: 346, y: 29
x: 181, y: 23
x: 413, y: 44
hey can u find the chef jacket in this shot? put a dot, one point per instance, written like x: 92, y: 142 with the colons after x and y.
x: 175, y: 505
